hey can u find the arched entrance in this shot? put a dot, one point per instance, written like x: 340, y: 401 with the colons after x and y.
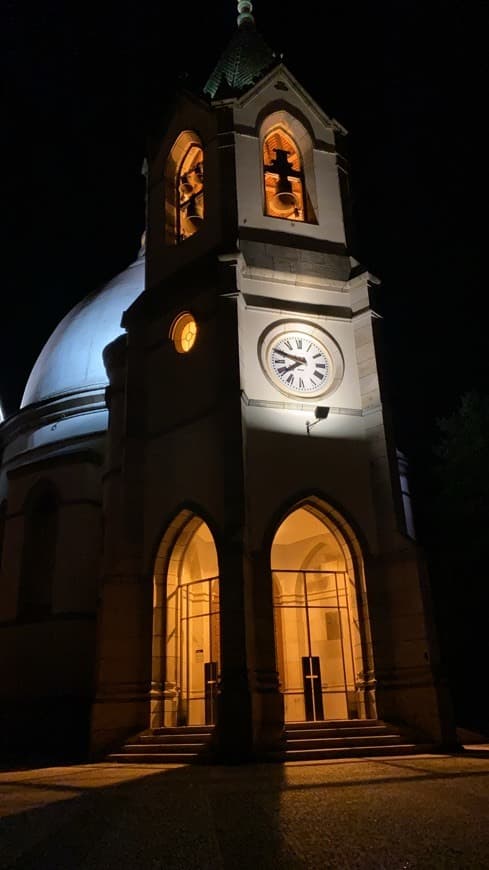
x: 187, y: 642
x: 319, y: 647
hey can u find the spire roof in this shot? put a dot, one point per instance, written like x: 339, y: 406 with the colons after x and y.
x: 244, y: 60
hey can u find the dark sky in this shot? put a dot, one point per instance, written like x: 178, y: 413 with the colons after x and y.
x: 85, y: 86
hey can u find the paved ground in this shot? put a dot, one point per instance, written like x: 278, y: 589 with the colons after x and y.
x: 379, y: 814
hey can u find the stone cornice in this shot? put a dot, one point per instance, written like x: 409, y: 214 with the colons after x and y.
x: 51, y: 411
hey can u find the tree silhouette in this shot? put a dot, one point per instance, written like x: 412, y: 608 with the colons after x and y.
x: 457, y: 551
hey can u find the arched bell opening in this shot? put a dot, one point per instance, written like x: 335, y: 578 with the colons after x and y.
x: 283, y: 176
x: 289, y: 177
x: 186, y: 626
x: 320, y: 618
x: 184, y: 188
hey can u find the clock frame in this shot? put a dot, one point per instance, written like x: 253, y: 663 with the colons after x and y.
x: 300, y: 359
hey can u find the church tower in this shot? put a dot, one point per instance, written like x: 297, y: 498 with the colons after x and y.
x: 204, y: 520
x: 259, y: 567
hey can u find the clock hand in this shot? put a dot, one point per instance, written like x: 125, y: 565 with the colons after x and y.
x: 298, y: 359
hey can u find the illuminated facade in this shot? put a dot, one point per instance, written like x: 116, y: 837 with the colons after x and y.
x: 201, y: 513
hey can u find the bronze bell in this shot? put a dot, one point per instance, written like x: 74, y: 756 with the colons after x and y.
x: 194, y: 212
x: 284, y: 199
x: 186, y: 188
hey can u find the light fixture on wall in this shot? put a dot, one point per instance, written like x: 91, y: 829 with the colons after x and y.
x: 320, y: 413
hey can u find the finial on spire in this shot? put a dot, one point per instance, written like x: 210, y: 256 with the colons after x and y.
x: 245, y: 17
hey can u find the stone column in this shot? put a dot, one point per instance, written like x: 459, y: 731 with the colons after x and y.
x: 267, y: 699
x: 124, y: 614
x: 233, y: 731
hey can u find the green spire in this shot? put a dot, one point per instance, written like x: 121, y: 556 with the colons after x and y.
x: 245, y: 59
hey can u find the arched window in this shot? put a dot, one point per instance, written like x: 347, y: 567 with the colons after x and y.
x: 283, y: 177
x: 184, y: 188
x: 39, y: 552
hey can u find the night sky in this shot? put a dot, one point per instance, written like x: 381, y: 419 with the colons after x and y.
x: 84, y: 88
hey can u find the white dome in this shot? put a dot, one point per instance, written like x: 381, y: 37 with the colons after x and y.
x: 72, y: 358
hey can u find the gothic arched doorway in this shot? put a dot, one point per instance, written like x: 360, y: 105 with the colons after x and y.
x: 320, y: 653
x: 186, y: 623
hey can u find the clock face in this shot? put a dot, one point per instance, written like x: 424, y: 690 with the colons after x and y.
x: 298, y: 363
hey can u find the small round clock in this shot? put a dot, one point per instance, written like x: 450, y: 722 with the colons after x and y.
x: 300, y: 359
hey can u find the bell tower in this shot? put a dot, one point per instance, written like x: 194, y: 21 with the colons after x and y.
x: 255, y: 531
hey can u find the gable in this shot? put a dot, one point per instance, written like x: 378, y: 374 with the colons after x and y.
x: 280, y: 90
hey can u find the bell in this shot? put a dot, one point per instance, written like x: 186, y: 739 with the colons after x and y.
x: 284, y: 199
x: 199, y: 172
x: 195, y: 210
x: 186, y: 187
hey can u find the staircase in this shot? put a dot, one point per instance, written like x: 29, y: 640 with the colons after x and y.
x: 343, y: 738
x: 303, y: 741
x: 185, y: 745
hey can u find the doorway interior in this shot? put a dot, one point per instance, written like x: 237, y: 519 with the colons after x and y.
x: 317, y: 629
x: 192, y: 626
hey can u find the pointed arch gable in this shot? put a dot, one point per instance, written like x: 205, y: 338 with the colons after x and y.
x: 327, y: 507
x: 172, y: 527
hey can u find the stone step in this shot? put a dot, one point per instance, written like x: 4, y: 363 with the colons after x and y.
x: 183, y: 739
x: 182, y: 729
x: 303, y: 741
x: 142, y: 748
x: 335, y: 742
x: 335, y: 723
x: 306, y: 755
x: 345, y: 733
x: 157, y: 758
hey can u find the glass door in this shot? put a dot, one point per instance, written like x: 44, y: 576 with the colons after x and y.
x: 199, y: 652
x: 314, y: 644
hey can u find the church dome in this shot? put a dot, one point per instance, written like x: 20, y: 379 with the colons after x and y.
x: 71, y: 360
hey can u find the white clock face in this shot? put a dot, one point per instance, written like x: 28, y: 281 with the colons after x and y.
x: 299, y: 364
